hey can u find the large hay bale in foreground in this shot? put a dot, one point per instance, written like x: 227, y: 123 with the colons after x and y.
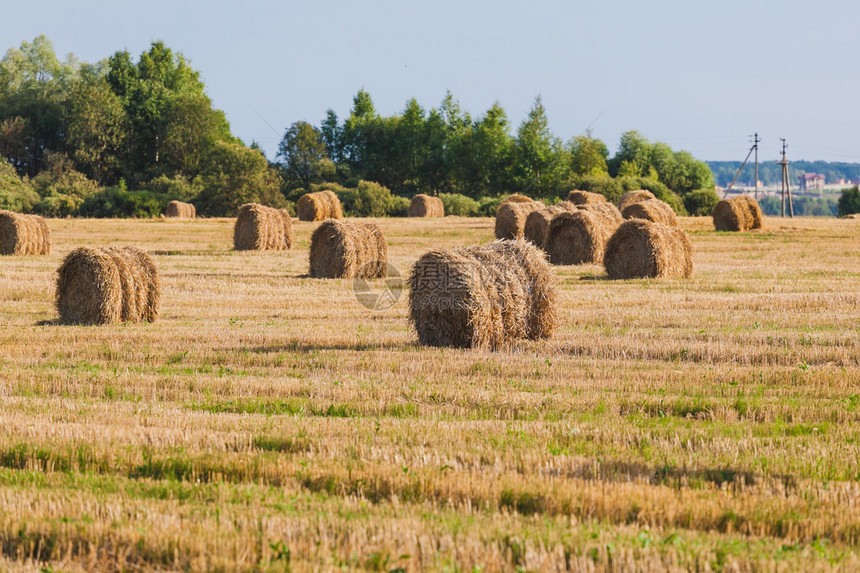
x: 261, y: 228
x: 537, y: 222
x: 348, y: 249
x: 635, y: 196
x: 578, y: 197
x: 483, y: 296
x: 643, y: 249
x: 108, y: 285
x: 741, y: 213
x: 180, y: 210
x: 577, y: 238
x: 426, y: 206
x: 23, y: 234
x: 511, y: 218
x: 319, y: 206
x: 653, y: 210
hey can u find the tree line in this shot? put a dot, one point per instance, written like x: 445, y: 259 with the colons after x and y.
x: 121, y: 137
x: 770, y: 172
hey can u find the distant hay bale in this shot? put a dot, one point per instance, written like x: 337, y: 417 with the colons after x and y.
x: 24, y: 234
x: 516, y: 198
x: 635, y: 196
x: 537, y: 222
x: 108, y: 285
x: 261, y: 228
x: 319, y: 206
x: 484, y: 296
x: 511, y: 218
x: 653, y: 210
x: 348, y: 249
x: 578, y: 197
x: 180, y: 210
x: 426, y: 206
x: 851, y: 216
x: 643, y: 249
x: 740, y: 213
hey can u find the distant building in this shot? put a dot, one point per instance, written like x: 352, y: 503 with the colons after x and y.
x: 811, y: 182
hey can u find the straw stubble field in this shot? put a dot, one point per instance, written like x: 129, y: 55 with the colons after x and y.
x: 267, y: 420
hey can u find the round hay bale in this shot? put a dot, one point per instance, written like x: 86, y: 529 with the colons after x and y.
x: 577, y: 238
x: 635, y: 196
x: 348, y: 249
x: 851, y: 216
x: 605, y: 210
x: 643, y: 249
x: 107, y: 285
x: 426, y: 206
x: 652, y: 210
x: 180, y: 210
x: 484, y: 296
x: 753, y: 210
x: 741, y: 213
x: 516, y: 198
x: 319, y: 206
x: 24, y: 234
x: 511, y: 218
x: 261, y: 228
x: 537, y: 222
x: 578, y: 197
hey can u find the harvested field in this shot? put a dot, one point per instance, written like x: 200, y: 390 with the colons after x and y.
x: 267, y: 421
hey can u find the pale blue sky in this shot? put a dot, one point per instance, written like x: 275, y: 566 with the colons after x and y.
x: 700, y: 76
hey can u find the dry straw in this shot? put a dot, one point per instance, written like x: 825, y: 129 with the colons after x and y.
x: 741, y: 213
x: 634, y: 196
x: 516, y: 198
x: 485, y: 296
x: 653, y: 210
x: 537, y: 222
x: 426, y: 206
x: 606, y: 210
x: 108, y: 285
x: 261, y: 228
x: 180, y: 210
x: 578, y: 238
x: 511, y: 218
x: 319, y: 206
x: 348, y: 249
x: 578, y: 197
x: 24, y: 234
x: 642, y: 249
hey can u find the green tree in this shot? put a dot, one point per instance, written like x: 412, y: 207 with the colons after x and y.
x: 16, y: 194
x: 849, y: 201
x: 539, y: 156
x: 32, y: 88
x: 588, y: 156
x: 633, y: 157
x: 303, y: 156
x: 234, y: 175
x: 492, y: 148
x: 95, y: 128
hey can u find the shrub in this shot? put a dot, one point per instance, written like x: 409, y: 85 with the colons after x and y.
x: 178, y: 188
x: 460, y: 205
x: 398, y: 206
x: 701, y: 203
x: 63, y: 190
x: 16, y: 194
x: 117, y: 201
x: 603, y: 184
x: 849, y: 201
x: 369, y: 199
x: 487, y: 206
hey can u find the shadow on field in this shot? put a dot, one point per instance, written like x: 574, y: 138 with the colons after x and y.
x: 50, y: 322
x: 595, y: 278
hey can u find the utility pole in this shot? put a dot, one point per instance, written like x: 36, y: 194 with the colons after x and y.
x: 786, y: 182
x: 756, y: 141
